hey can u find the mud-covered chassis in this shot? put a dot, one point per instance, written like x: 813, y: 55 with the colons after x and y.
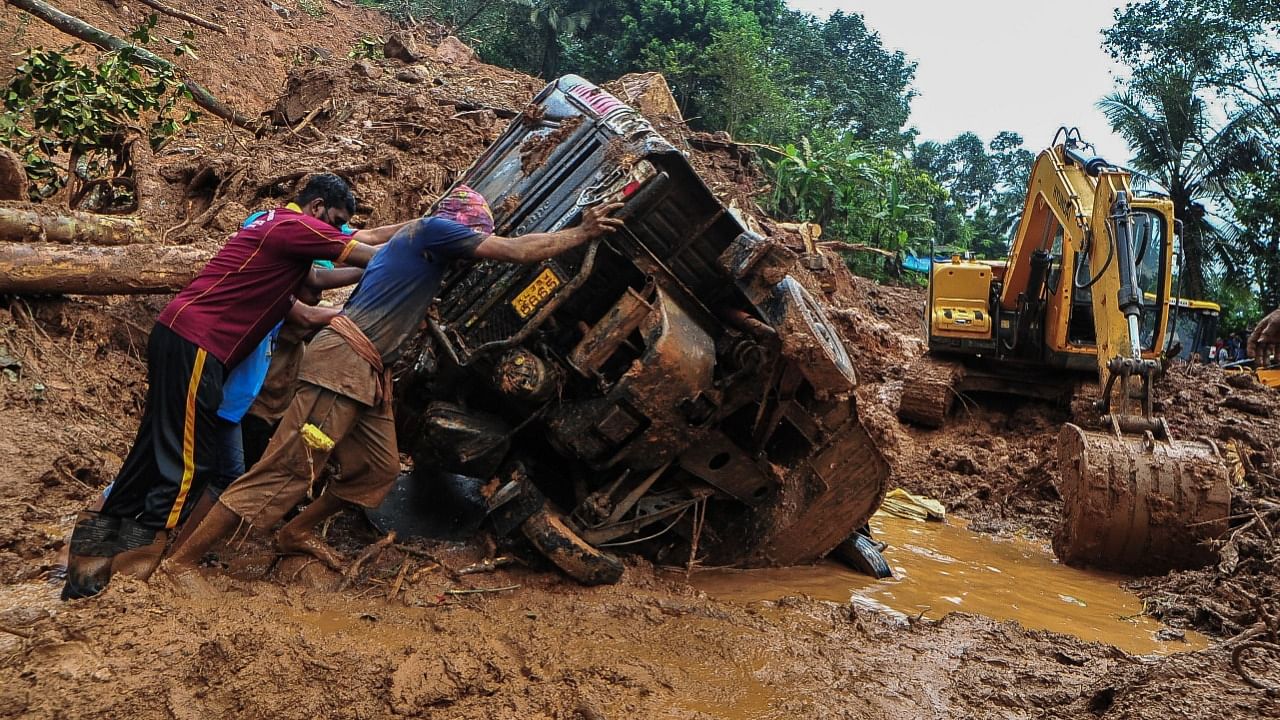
x: 670, y: 385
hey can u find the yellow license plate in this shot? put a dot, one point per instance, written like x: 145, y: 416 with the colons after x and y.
x: 532, y: 296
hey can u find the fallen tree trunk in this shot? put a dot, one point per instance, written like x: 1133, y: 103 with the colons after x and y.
x: 32, y: 225
x: 81, y: 270
x: 100, y: 38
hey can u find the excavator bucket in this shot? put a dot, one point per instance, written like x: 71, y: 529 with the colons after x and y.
x: 1139, y: 505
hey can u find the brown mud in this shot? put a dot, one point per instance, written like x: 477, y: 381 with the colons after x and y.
x: 414, y: 636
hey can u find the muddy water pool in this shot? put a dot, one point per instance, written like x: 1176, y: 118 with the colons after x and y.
x: 943, y: 567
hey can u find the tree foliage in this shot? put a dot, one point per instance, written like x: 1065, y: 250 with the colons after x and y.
x: 753, y: 66
x: 840, y: 75
x: 859, y: 194
x: 1200, y: 113
x: 64, y: 115
x: 986, y: 186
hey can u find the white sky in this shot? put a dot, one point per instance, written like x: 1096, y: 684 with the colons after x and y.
x: 989, y: 65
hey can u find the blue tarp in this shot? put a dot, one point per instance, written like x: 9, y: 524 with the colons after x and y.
x: 919, y: 264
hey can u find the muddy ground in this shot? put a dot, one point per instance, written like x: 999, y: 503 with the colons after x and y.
x: 407, y: 636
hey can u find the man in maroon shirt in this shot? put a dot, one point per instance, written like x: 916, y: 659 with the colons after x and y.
x: 209, y: 327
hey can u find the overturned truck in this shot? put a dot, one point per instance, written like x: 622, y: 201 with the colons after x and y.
x: 669, y: 389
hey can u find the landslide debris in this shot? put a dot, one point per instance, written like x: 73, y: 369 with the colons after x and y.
x: 398, y: 644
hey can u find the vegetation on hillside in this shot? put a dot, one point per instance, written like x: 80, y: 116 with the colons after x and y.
x: 1198, y: 109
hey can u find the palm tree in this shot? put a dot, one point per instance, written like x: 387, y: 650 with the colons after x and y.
x: 556, y: 21
x: 1178, y: 148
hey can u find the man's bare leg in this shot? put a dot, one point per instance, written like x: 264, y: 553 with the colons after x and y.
x: 179, y: 569
x: 298, y: 535
x: 217, y: 524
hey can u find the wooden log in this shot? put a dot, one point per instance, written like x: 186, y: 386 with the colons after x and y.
x: 43, y: 269
x: 30, y: 224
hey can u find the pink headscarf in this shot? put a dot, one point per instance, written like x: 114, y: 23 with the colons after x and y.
x: 466, y: 207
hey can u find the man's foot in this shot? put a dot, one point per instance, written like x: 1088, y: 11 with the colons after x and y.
x: 306, y: 543
x: 183, y: 580
x: 94, y: 542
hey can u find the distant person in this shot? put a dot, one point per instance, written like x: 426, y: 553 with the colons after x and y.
x: 205, y: 331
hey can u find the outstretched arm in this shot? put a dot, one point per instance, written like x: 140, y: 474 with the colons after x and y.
x: 540, y: 246
x: 379, y: 235
x: 310, y: 316
x: 330, y: 278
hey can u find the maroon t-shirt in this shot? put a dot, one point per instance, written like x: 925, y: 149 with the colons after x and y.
x: 249, y: 285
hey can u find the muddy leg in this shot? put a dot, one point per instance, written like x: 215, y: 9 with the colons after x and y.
x: 140, y: 549
x: 216, y: 525
x: 198, y: 513
x: 298, y: 535
x: 59, y: 571
x: 94, y: 541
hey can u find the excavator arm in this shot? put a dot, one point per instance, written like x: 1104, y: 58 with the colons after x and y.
x: 1134, y: 498
x: 1117, y: 298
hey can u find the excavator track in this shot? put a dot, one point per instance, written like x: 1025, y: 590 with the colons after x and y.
x: 929, y: 391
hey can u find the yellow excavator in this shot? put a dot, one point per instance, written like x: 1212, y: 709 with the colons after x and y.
x: 1086, y: 288
x: 1192, y: 327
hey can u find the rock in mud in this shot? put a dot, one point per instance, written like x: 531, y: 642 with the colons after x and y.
x: 453, y: 51
x: 366, y: 69
x: 303, y: 93
x: 401, y: 46
x: 414, y: 74
x: 417, y: 103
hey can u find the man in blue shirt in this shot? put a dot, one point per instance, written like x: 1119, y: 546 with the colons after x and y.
x: 343, y: 404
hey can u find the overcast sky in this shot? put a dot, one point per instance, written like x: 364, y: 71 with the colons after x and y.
x: 991, y: 65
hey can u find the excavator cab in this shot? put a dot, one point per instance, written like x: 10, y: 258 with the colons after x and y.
x: 1192, y: 327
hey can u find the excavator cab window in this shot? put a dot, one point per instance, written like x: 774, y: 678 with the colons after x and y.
x: 1149, y: 237
x: 1080, y: 330
x: 1055, y: 268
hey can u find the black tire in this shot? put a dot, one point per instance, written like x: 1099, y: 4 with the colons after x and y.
x: 562, y: 546
x: 861, y: 553
x: 821, y: 356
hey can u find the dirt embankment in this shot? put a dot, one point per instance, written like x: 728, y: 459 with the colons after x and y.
x: 411, y: 635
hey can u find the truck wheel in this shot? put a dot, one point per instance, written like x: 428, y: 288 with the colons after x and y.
x: 562, y: 546
x: 862, y: 554
x: 809, y: 340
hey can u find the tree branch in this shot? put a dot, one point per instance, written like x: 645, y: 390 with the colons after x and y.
x: 181, y: 15
x: 78, y: 28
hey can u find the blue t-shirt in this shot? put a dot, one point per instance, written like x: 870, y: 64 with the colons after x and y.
x: 244, y: 382
x: 403, y: 278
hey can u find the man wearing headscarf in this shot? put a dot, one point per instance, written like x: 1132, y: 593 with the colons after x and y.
x: 343, y: 403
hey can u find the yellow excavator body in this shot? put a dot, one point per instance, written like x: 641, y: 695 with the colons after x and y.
x: 1086, y: 288
x: 961, y: 290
